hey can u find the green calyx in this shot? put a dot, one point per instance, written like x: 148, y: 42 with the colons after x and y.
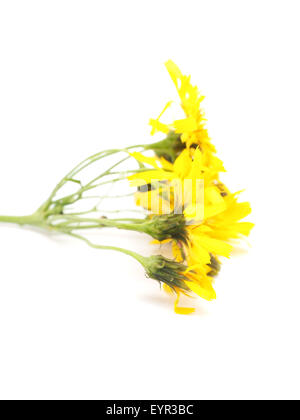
x: 167, y: 226
x: 166, y: 271
x: 169, y: 148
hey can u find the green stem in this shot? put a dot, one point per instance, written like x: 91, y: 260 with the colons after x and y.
x: 71, y: 223
x: 81, y: 166
x: 137, y: 257
x: 78, y: 195
x: 35, y: 219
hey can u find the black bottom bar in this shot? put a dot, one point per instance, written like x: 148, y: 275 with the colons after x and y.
x: 145, y: 409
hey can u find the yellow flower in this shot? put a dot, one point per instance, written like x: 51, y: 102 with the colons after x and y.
x: 213, y: 218
x: 182, y: 182
x: 157, y: 126
x: 207, y: 238
x: 192, y: 127
x: 212, y: 237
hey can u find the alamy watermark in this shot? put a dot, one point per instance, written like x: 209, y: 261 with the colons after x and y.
x: 175, y: 196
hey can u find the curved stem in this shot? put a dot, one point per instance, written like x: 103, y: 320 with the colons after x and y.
x: 71, y: 198
x: 132, y: 254
x: 81, y: 166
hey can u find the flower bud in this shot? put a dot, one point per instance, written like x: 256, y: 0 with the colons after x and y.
x: 166, y: 271
x: 167, y: 226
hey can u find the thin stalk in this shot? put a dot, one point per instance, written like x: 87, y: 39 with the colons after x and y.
x: 81, y: 166
x: 77, y: 223
x: 123, y: 211
x: 71, y: 198
x: 132, y: 254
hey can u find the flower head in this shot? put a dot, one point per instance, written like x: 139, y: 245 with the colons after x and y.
x: 167, y: 226
x: 202, y: 233
x: 167, y: 271
x: 179, y: 279
x: 191, y: 127
x: 211, y: 215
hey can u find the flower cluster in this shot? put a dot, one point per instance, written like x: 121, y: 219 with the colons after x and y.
x: 211, y: 215
x: 178, y: 187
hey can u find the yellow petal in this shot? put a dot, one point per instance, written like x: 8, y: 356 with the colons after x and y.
x: 147, y: 177
x: 212, y: 245
x: 186, y: 124
x: 194, y: 212
x: 182, y: 310
x: 211, y: 210
x: 158, y: 126
x: 165, y: 108
x: 199, y: 253
x: 168, y: 166
x: 145, y: 159
x: 200, y: 291
x: 182, y: 164
x: 192, y: 267
x: 168, y: 289
x: 244, y: 228
x: 156, y: 242
x: 174, y: 72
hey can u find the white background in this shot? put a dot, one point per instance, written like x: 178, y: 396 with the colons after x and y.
x: 80, y: 76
